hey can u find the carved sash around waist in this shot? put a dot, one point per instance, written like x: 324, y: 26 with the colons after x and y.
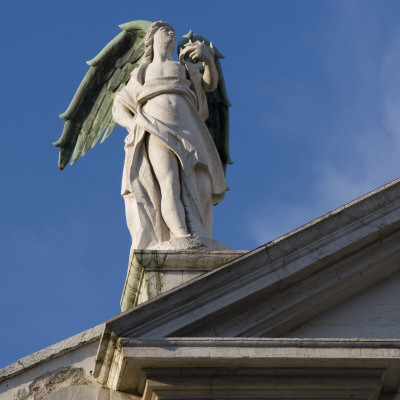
x: 165, y: 85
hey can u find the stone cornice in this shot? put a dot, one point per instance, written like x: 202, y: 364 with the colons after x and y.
x: 141, y: 361
x: 172, y: 344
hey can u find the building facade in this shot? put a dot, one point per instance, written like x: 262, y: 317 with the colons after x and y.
x: 311, y: 315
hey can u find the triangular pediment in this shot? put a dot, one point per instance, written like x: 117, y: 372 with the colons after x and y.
x: 372, y: 313
x: 279, y: 287
x: 273, y: 289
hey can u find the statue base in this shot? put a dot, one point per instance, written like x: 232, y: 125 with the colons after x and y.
x: 191, y: 242
x: 152, y: 272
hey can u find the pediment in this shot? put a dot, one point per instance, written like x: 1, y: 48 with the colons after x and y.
x: 278, y: 287
x: 275, y: 288
x: 373, y: 313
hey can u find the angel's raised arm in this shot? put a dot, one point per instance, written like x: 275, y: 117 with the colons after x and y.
x: 199, y: 51
x: 210, y: 76
x: 217, y: 99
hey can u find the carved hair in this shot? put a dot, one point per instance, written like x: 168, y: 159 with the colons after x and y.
x: 154, y: 27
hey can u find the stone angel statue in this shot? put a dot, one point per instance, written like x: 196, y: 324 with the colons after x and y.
x: 176, y: 115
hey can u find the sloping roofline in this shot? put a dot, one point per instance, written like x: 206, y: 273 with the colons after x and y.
x: 279, y: 285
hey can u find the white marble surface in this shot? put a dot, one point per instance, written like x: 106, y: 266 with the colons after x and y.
x: 190, y: 242
x: 172, y: 172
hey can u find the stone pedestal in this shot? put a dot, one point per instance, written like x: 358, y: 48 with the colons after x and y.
x: 152, y: 272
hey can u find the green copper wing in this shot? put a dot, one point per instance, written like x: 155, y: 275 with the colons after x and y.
x: 90, y: 111
x: 218, y: 103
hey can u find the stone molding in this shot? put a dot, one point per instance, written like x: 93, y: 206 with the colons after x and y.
x: 172, y: 367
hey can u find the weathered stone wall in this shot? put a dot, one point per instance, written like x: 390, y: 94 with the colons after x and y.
x: 68, y: 363
x: 90, y: 392
x: 53, y: 381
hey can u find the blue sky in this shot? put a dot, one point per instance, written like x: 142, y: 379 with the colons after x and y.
x: 315, y: 123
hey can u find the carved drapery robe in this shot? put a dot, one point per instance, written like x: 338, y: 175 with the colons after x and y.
x: 183, y: 130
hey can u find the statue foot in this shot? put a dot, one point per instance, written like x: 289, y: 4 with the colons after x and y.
x: 191, y: 242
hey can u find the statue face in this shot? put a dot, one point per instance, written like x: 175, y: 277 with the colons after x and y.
x: 164, y: 38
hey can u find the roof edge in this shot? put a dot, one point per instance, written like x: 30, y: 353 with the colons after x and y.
x: 51, y: 352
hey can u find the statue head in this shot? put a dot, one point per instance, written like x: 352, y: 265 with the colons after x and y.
x: 167, y: 38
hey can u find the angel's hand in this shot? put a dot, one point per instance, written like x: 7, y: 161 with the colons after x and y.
x: 197, y: 51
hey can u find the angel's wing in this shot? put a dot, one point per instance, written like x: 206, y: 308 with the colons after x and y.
x: 89, y: 113
x: 218, y: 103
